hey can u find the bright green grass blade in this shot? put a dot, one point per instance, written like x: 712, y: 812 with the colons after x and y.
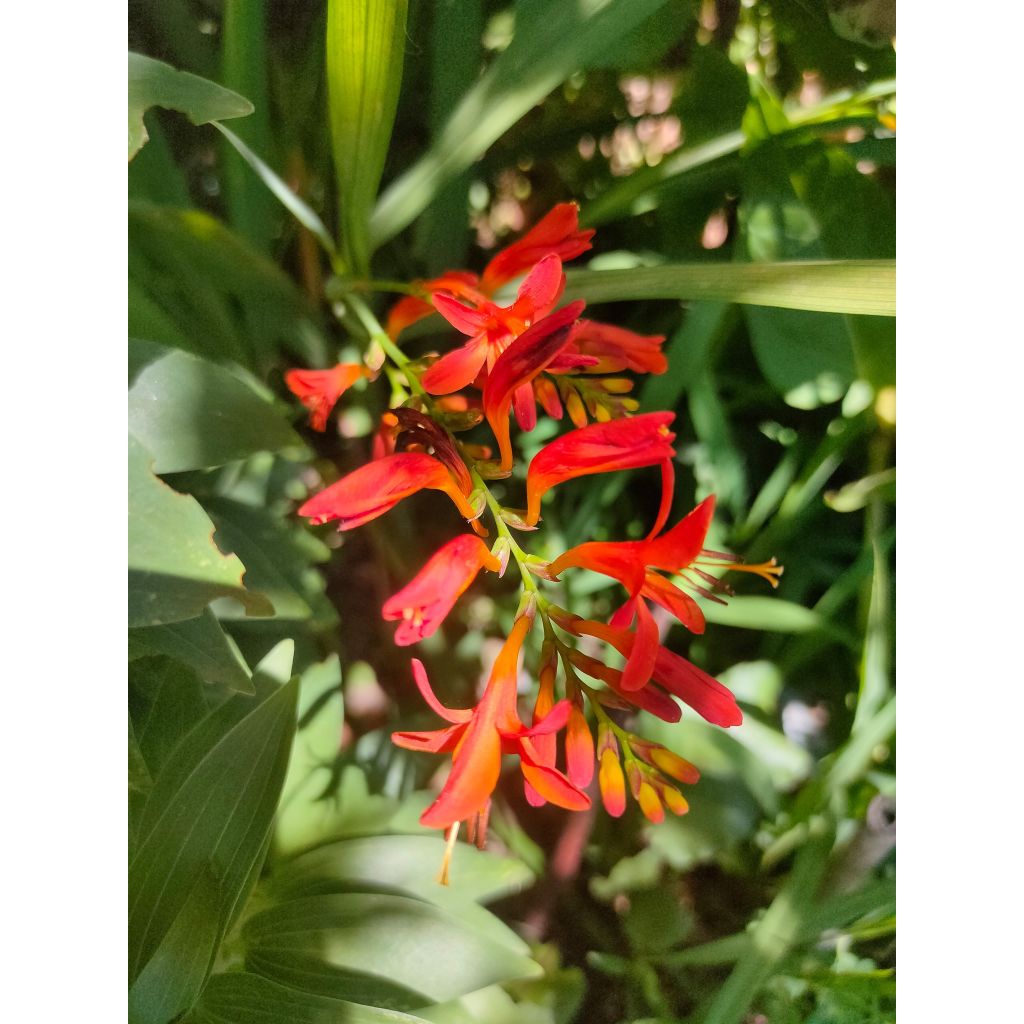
x: 365, y: 46
x: 834, y: 286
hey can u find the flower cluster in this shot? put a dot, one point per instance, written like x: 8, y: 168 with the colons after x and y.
x: 517, y: 353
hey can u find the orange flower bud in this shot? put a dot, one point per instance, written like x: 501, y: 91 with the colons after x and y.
x: 612, y: 783
x: 650, y: 804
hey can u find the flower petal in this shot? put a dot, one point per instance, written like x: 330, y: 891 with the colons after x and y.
x: 439, y: 741
x: 456, y: 715
x: 640, y: 663
x: 705, y: 694
x: 457, y: 369
x: 550, y: 783
x: 579, y: 749
x: 540, y: 290
x: 675, y: 550
x: 462, y: 317
x: 673, y: 600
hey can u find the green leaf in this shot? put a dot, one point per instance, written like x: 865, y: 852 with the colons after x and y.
x: 244, y: 998
x: 204, y: 838
x: 838, y: 286
x: 193, y: 414
x: 852, y: 497
x: 385, y: 949
x: 365, y: 50
x: 405, y: 861
x: 151, y: 83
x: 551, y: 42
x: 199, y: 643
x: 174, y: 568
x: 278, y: 557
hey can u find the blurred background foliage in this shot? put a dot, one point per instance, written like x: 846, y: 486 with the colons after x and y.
x: 277, y: 872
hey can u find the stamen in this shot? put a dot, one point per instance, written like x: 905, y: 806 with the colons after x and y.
x: 769, y: 571
x: 453, y: 834
x: 716, y: 583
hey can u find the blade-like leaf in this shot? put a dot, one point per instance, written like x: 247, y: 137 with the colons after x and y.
x: 151, y: 83
x: 372, y: 948
x: 199, y: 643
x: 244, y: 998
x: 837, y: 286
x: 365, y: 48
x: 193, y: 414
x: 551, y: 42
x: 210, y: 829
x: 174, y: 568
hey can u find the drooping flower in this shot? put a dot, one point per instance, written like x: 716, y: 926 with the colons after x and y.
x: 491, y: 328
x: 373, y: 489
x: 670, y: 674
x: 319, y: 390
x: 558, y: 233
x: 516, y: 368
x: 422, y: 604
x: 600, y: 448
x: 617, y: 349
x: 477, y: 737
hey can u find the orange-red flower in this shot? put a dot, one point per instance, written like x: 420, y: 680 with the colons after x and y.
x: 670, y: 673
x: 422, y: 604
x: 617, y: 349
x: 373, y: 489
x: 413, y: 308
x: 491, y: 327
x: 558, y: 232
x: 477, y: 738
x: 516, y: 368
x: 600, y: 448
x: 319, y: 390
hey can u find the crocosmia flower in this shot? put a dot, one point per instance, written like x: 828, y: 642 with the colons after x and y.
x: 491, y: 328
x: 377, y: 487
x: 319, y: 390
x: 477, y: 737
x: 557, y: 233
x: 615, y: 349
x: 421, y: 606
x: 413, y: 308
x: 600, y: 448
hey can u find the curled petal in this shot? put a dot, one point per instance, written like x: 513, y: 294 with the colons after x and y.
x: 455, y: 715
x: 558, y: 233
x: 439, y: 741
x: 554, y: 721
x: 523, y: 360
x: 423, y: 603
x: 599, y: 448
x: 319, y: 390
x: 668, y: 486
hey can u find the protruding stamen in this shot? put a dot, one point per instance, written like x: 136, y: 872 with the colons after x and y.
x: 769, y: 571
x: 449, y: 848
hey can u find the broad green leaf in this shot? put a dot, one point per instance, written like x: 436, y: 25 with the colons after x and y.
x: 365, y: 51
x: 372, y: 948
x: 151, y: 83
x: 769, y: 613
x: 551, y: 42
x: 195, y: 285
x: 244, y: 998
x: 212, y: 828
x: 838, y: 286
x: 193, y: 414
x: 174, y: 568
x: 406, y: 861
x: 278, y: 557
x: 199, y: 643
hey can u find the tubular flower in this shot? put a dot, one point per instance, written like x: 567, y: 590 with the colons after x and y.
x: 670, y: 674
x: 600, y: 448
x: 422, y: 604
x: 516, y: 368
x: 477, y: 737
x: 557, y: 233
x: 491, y: 328
x: 679, y: 550
x: 319, y: 390
x: 377, y: 487
x: 617, y: 349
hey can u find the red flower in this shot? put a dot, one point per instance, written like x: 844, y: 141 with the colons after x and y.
x: 557, y: 233
x: 670, y: 674
x: 423, y: 603
x: 516, y: 368
x: 412, y: 308
x: 491, y: 328
x: 617, y: 349
x: 319, y: 390
x: 600, y: 448
x: 477, y: 738
x: 373, y: 489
